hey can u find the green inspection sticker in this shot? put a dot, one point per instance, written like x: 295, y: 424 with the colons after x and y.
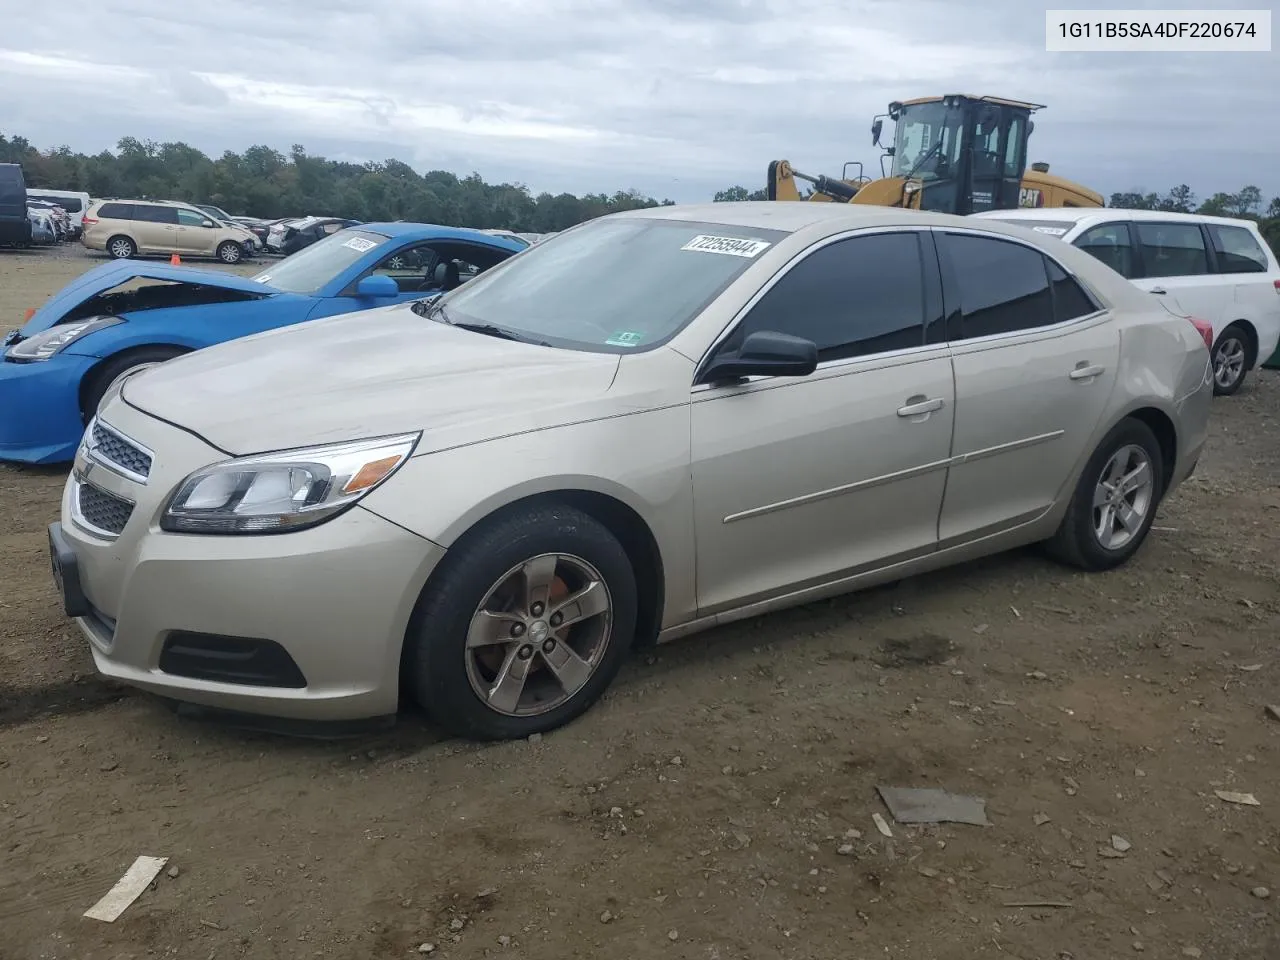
x: 625, y: 338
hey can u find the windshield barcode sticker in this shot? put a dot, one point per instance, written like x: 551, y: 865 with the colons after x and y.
x: 1051, y: 231
x: 733, y: 246
x: 360, y: 244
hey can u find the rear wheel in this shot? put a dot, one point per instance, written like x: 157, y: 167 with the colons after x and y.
x: 1232, y: 357
x: 116, y: 369
x: 1115, y: 500
x: 524, y: 626
x: 121, y: 248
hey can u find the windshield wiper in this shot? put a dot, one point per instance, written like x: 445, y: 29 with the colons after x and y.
x: 488, y: 329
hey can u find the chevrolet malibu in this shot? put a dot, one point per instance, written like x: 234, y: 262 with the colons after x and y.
x: 650, y: 424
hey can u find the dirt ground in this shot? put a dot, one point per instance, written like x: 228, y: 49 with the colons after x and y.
x: 718, y: 804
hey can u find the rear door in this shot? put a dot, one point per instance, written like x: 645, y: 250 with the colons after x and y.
x: 155, y: 228
x: 1173, y: 261
x: 1035, y: 360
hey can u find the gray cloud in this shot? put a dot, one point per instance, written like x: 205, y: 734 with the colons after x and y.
x: 675, y: 99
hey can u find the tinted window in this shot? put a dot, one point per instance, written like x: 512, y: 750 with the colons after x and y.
x: 1069, y: 298
x: 157, y: 214
x: 189, y: 218
x: 1172, y: 249
x: 1237, y: 250
x: 1002, y: 285
x: 116, y: 211
x: 1109, y: 243
x: 853, y: 297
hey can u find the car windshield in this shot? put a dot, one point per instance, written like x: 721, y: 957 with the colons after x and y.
x: 1054, y: 228
x: 611, y: 285
x: 312, y: 267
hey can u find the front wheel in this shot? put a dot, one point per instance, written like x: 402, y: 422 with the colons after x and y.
x: 114, y: 370
x: 1115, y: 500
x: 524, y: 626
x: 230, y: 252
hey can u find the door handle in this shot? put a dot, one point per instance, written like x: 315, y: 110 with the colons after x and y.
x: 1086, y: 371
x: 1160, y: 290
x: 919, y: 405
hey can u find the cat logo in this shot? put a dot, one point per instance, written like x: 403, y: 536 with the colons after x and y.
x: 1030, y: 197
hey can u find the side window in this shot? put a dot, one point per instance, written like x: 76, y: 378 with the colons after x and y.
x: 1002, y: 285
x: 1172, y: 249
x: 1069, y: 298
x: 115, y: 211
x: 1237, y: 250
x: 189, y: 218
x: 852, y: 298
x: 1109, y: 242
x: 1012, y: 148
x: 150, y: 214
x: 412, y: 268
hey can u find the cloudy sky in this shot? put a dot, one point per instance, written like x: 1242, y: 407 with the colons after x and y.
x: 677, y: 98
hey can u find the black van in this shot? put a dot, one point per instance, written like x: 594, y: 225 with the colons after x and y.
x: 15, y: 228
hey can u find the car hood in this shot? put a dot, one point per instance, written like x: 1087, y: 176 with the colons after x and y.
x: 116, y: 272
x: 365, y: 374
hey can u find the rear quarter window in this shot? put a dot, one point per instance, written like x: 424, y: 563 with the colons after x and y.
x: 116, y: 211
x: 1237, y: 250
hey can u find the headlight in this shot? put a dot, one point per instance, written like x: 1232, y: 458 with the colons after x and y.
x: 280, y: 492
x: 46, y: 343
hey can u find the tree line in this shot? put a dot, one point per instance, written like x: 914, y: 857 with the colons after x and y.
x: 262, y: 182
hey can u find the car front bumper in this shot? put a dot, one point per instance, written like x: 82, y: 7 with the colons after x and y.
x: 306, y: 625
x: 40, y: 419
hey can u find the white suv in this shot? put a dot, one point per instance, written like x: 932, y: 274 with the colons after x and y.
x: 1215, y: 268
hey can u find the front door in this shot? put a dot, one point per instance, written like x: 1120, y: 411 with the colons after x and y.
x: 1174, y: 260
x: 1035, y: 363
x: 193, y: 236
x: 798, y: 481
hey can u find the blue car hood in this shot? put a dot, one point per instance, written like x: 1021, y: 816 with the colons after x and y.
x: 115, y: 272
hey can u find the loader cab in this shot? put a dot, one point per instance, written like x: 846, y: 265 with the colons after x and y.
x: 968, y: 153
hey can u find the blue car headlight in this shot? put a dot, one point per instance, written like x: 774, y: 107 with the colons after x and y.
x: 47, y: 343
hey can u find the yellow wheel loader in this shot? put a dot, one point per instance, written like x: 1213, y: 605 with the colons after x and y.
x: 951, y: 154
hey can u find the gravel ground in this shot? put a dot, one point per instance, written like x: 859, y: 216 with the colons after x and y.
x: 718, y: 803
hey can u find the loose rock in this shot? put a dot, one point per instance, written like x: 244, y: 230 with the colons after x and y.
x: 673, y: 935
x: 845, y: 849
x: 427, y: 948
x: 535, y: 738
x: 1120, y: 843
x: 606, y: 917
x: 1262, y: 893
x: 172, y: 873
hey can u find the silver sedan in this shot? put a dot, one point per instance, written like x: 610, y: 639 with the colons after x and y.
x: 647, y: 425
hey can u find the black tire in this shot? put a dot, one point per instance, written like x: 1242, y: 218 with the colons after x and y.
x: 101, y: 378
x: 230, y: 252
x: 121, y: 248
x: 1076, y: 543
x: 1235, y: 340
x: 435, y: 655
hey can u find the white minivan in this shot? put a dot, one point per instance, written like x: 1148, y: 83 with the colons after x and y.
x: 75, y: 202
x: 1218, y: 269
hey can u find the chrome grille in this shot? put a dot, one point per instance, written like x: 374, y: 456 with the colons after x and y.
x: 109, y: 446
x: 102, y: 510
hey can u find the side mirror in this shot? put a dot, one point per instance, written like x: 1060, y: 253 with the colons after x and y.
x: 377, y: 285
x: 765, y: 353
x: 875, y: 132
x: 207, y: 223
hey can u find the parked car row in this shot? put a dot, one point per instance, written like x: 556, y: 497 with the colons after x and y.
x: 655, y: 422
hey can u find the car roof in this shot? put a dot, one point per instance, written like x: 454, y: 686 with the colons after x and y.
x: 1081, y: 214
x: 792, y: 216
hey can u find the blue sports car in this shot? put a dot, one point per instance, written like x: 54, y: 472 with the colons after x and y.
x: 126, y: 315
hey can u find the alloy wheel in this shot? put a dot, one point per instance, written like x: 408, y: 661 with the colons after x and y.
x: 1228, y: 362
x: 1123, y: 496
x: 538, y: 635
